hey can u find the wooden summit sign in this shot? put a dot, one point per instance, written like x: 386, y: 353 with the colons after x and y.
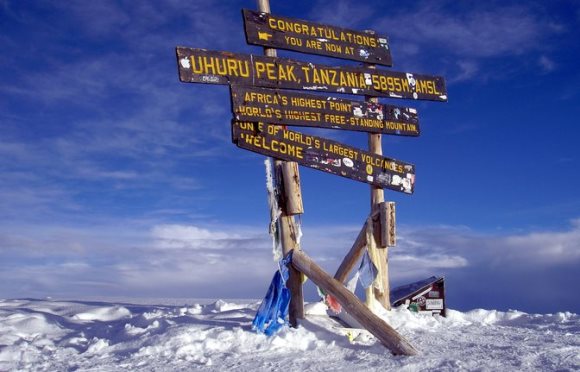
x: 309, y: 110
x: 325, y: 155
x: 262, y: 108
x: 302, y: 36
x: 213, y: 67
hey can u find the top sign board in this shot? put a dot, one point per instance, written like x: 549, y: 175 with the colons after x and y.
x: 213, y: 67
x: 302, y: 36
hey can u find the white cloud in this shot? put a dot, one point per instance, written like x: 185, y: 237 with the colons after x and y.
x: 340, y: 13
x: 128, y: 259
x: 525, y: 250
x: 408, y: 266
x: 191, y: 237
x: 546, y: 63
x: 467, y: 70
x: 476, y: 33
x: 130, y: 21
x: 460, y: 41
x: 135, y: 259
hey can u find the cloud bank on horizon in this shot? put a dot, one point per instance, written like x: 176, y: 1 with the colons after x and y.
x: 236, y: 261
x: 119, y: 180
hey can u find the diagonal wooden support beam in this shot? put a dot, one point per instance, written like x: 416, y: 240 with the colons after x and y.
x: 355, y: 252
x: 388, y: 336
x: 352, y: 256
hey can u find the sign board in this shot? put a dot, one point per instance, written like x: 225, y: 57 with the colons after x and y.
x: 325, y: 155
x: 427, y: 295
x: 310, y: 110
x: 307, y: 37
x: 212, y: 67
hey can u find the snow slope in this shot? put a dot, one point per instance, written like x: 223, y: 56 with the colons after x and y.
x: 42, y: 335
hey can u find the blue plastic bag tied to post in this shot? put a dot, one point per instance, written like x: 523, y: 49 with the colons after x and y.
x: 273, y: 311
x: 367, y: 271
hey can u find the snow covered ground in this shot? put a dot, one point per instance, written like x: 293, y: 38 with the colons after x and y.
x: 51, y: 335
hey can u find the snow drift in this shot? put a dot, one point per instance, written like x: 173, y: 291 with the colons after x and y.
x: 70, y: 335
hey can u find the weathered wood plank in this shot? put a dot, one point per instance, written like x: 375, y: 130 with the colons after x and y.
x: 292, y: 192
x: 289, y: 241
x: 388, y: 336
x: 291, y: 203
x: 324, y: 155
x: 315, y: 38
x: 215, y: 67
x: 311, y: 110
x: 354, y: 254
x: 377, y: 196
x: 388, y: 225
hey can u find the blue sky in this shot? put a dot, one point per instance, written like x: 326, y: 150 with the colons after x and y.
x: 118, y: 180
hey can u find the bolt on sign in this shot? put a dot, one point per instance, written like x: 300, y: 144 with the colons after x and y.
x: 214, y: 67
x: 302, y: 36
x: 310, y: 110
x: 325, y: 155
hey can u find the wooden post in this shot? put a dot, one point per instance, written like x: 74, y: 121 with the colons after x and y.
x: 389, y: 337
x: 377, y: 197
x: 290, y: 204
x: 373, y: 254
x: 292, y: 192
x: 388, y: 230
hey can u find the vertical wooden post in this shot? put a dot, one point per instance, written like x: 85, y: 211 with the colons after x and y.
x: 377, y: 197
x: 373, y: 254
x: 290, y: 204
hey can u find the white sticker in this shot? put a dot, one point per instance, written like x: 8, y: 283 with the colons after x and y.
x: 422, y: 293
x: 348, y: 162
x: 421, y: 301
x: 210, y: 79
x: 185, y: 63
x: 434, y: 304
x: 434, y: 294
x: 368, y: 80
